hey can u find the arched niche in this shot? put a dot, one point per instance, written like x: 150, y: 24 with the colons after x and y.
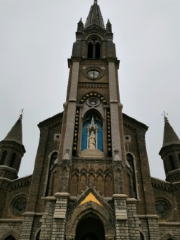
x: 130, y: 160
x: 10, y: 235
x: 92, y: 131
x: 169, y: 236
x: 3, y: 158
x: 171, y: 161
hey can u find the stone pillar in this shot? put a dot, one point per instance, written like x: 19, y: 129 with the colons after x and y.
x: 59, y: 218
x: 47, y: 219
x: 114, y: 107
x: 133, y: 220
x: 154, y: 233
x: 27, y: 226
x: 71, y: 108
x: 121, y: 217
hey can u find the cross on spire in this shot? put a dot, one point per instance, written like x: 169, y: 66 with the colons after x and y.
x: 165, y: 116
x: 21, y: 113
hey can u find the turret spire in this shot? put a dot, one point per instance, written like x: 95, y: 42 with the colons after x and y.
x: 170, y: 136
x: 95, y: 16
x: 15, y: 134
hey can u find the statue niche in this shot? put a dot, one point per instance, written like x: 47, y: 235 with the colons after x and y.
x: 92, y: 136
x: 92, y: 131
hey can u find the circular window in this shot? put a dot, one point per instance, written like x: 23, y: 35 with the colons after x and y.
x: 162, y: 208
x: 93, y: 102
x: 19, y: 206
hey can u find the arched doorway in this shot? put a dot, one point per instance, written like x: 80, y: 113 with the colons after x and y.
x: 90, y: 228
x: 10, y: 238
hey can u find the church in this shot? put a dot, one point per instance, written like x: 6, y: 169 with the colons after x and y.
x: 91, y: 178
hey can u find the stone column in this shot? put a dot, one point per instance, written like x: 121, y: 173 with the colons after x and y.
x: 27, y: 226
x: 133, y: 220
x: 71, y: 108
x: 153, y: 226
x: 59, y: 218
x: 47, y: 219
x: 114, y: 107
x: 121, y: 217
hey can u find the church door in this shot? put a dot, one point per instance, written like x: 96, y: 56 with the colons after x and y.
x: 90, y: 228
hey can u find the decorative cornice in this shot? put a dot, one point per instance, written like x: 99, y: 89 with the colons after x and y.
x: 94, y: 86
x: 21, y: 182
x: 52, y: 121
x: 161, y: 185
x: 133, y: 123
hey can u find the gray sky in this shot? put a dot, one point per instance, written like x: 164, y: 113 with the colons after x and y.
x: 36, y: 38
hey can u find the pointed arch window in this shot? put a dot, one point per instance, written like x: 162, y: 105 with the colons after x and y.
x: 94, y: 47
x: 165, y: 167
x: 53, y: 158
x: 13, y: 158
x: 90, y: 50
x: 3, y: 158
x: 97, y: 50
x: 171, y: 160
x: 179, y: 158
x: 130, y: 160
x: 74, y: 185
x: 51, y: 174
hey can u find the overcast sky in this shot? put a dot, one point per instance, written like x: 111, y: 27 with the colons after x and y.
x: 36, y: 38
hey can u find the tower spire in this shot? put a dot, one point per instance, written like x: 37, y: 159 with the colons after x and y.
x: 15, y: 134
x: 95, y: 16
x: 170, y: 136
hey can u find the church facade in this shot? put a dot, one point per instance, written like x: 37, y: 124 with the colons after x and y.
x: 91, y: 178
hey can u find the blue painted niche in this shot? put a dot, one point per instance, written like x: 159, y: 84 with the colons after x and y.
x: 84, y: 141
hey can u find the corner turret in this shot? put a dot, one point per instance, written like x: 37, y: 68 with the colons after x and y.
x: 12, y: 151
x: 170, y: 153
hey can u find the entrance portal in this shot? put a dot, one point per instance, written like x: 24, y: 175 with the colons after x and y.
x: 90, y: 228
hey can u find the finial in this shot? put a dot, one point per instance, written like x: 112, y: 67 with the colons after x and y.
x: 116, y: 155
x: 95, y: 1
x: 165, y: 116
x: 21, y: 113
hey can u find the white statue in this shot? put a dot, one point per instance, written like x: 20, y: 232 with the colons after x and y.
x: 92, y: 130
x: 92, y: 140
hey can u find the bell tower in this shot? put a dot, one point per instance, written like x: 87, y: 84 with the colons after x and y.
x: 92, y: 121
x: 92, y: 94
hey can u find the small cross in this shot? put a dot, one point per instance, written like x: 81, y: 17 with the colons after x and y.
x: 21, y: 113
x: 165, y: 116
x: 95, y: 1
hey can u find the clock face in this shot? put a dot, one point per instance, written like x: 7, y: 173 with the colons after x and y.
x: 93, y: 74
